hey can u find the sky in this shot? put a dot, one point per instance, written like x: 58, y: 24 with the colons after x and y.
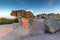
x: 36, y: 6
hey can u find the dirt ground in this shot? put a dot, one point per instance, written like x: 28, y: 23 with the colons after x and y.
x: 14, y: 32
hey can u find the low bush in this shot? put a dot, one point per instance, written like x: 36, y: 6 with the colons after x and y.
x: 8, y: 21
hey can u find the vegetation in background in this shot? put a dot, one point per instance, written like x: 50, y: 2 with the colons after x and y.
x: 15, y: 20
x: 8, y: 21
x: 37, y: 16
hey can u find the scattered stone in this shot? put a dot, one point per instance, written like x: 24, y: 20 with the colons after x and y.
x: 51, y: 24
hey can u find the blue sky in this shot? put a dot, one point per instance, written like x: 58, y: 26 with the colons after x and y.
x: 36, y: 6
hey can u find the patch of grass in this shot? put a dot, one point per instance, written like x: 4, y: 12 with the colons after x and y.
x: 8, y: 21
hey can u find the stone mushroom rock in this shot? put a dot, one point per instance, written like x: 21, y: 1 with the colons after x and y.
x: 51, y: 24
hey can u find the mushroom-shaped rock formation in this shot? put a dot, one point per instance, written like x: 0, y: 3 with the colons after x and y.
x: 23, y: 17
x: 19, y: 14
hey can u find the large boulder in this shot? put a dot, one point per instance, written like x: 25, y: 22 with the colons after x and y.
x: 37, y: 28
x: 51, y: 24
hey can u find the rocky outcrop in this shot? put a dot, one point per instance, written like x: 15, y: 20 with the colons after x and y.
x: 22, y: 13
x: 52, y: 25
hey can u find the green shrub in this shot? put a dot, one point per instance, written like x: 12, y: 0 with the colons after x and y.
x: 8, y: 21
x: 5, y: 21
x: 15, y: 20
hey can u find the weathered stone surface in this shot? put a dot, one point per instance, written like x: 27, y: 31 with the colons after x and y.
x: 18, y: 32
x: 52, y: 25
x: 23, y: 13
x: 37, y: 28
